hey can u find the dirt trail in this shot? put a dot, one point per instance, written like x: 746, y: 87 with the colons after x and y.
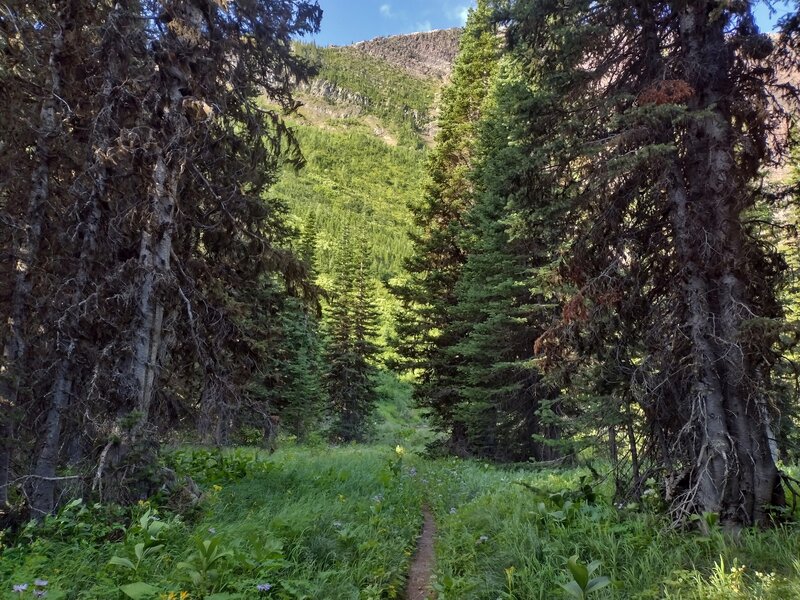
x: 419, y: 576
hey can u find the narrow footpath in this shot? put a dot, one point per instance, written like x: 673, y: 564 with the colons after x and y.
x: 419, y: 575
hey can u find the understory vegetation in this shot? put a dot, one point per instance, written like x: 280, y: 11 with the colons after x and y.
x: 311, y: 522
x: 267, y: 307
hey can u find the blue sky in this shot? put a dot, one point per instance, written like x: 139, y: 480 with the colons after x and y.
x: 348, y: 21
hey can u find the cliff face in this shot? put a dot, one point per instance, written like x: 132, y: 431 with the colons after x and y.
x: 428, y: 54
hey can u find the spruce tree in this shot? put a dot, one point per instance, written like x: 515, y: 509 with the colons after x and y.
x: 648, y: 127
x: 133, y: 175
x: 350, y: 350
x: 502, y: 306
x: 426, y: 326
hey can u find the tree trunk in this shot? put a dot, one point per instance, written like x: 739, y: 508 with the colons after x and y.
x: 734, y: 472
x: 154, y: 261
x: 25, y: 251
x: 65, y: 382
x: 43, y: 495
x: 6, y: 445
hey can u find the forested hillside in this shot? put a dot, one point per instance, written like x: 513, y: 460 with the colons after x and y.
x: 501, y: 311
x: 365, y: 127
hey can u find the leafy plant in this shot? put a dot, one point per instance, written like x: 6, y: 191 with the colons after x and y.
x: 582, y: 583
x: 139, y: 590
x: 140, y: 553
x: 202, y: 566
x: 152, y: 528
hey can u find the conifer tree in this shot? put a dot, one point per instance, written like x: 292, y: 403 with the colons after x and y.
x: 135, y: 226
x: 647, y: 127
x: 350, y: 350
x: 426, y: 324
x: 502, y: 307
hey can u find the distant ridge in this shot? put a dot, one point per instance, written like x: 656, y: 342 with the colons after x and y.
x: 424, y: 54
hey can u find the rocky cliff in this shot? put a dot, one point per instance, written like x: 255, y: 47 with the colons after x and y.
x: 425, y: 54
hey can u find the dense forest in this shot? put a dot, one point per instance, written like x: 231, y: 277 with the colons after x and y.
x: 560, y: 243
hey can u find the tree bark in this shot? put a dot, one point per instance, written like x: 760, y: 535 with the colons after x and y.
x: 25, y: 251
x: 734, y: 472
x: 96, y: 172
x: 155, y: 252
x: 154, y: 261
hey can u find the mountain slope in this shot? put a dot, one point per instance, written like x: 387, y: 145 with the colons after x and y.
x: 367, y: 121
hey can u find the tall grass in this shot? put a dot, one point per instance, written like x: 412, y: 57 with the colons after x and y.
x: 500, y: 539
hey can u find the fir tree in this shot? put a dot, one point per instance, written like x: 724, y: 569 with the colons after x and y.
x: 502, y: 307
x: 426, y: 324
x: 645, y: 148
x: 350, y: 350
x: 132, y: 182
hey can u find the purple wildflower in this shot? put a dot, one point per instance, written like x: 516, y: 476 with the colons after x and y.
x: 20, y: 588
x: 263, y: 587
x: 41, y: 583
x: 39, y: 593
x: 453, y: 510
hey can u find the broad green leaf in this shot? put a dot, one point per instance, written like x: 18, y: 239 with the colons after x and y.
x: 598, y: 583
x: 153, y: 550
x: 138, y: 590
x: 579, y: 572
x: 122, y: 562
x: 573, y: 589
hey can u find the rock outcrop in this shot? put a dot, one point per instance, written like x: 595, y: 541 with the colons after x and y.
x: 425, y: 54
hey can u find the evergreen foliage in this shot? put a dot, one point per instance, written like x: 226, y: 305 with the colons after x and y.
x: 501, y: 303
x: 645, y: 154
x: 136, y: 235
x: 351, y: 323
x: 426, y: 328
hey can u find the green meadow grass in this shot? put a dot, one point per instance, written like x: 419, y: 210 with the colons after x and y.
x: 315, y: 524
x: 340, y: 523
x: 500, y: 539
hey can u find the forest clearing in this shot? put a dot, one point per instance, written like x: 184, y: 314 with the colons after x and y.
x: 311, y: 522
x: 499, y: 301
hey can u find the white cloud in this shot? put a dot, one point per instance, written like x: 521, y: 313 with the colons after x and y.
x: 423, y: 26
x: 458, y: 14
x: 386, y: 11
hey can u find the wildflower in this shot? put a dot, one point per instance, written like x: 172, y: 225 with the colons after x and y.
x: 184, y: 596
x: 217, y: 488
x: 452, y: 510
x: 263, y: 587
x: 482, y: 539
x: 212, y: 531
x: 40, y: 583
x: 338, y: 524
x: 378, y: 498
x: 20, y: 588
x: 39, y: 593
x: 400, y: 451
x: 412, y: 472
